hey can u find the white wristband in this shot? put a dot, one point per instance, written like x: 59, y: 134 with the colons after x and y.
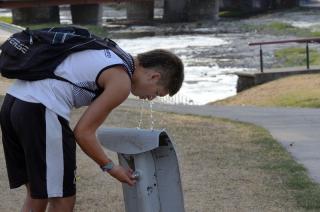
x: 107, y: 167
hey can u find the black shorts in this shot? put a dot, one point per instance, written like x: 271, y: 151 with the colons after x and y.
x: 39, y: 149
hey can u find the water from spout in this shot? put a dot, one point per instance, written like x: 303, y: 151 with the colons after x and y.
x: 141, y: 114
x: 151, y: 115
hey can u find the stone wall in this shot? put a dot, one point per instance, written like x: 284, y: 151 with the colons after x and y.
x: 248, y: 80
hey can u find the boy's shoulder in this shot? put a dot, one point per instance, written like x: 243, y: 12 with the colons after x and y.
x: 115, y: 76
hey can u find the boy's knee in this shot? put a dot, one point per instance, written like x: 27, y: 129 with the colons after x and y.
x: 62, y: 204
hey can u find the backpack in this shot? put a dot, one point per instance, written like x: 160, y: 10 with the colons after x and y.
x: 34, y: 54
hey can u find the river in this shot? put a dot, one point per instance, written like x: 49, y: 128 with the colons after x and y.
x: 204, y: 80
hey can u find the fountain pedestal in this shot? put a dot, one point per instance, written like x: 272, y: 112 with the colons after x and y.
x: 151, y: 154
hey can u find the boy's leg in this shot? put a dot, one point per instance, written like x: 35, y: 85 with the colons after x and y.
x: 46, y: 147
x: 13, y: 150
x: 62, y: 204
x: 34, y: 205
x: 56, y: 204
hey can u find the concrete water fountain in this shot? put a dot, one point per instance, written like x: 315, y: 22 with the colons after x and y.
x: 151, y: 154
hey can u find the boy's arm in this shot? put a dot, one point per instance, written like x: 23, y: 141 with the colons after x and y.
x: 117, y: 86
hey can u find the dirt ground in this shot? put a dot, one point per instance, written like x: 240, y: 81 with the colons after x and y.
x: 4, y: 85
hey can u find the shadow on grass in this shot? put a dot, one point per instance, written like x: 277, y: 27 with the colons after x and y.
x: 293, y: 175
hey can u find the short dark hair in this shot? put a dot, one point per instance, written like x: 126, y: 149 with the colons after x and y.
x: 168, y: 65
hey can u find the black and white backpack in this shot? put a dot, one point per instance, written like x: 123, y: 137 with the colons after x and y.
x: 34, y: 54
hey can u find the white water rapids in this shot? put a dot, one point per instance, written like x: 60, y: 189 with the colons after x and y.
x: 203, y: 83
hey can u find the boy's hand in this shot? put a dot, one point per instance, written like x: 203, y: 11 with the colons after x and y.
x: 123, y: 175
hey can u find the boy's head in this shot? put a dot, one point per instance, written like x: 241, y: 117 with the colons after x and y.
x: 168, y: 65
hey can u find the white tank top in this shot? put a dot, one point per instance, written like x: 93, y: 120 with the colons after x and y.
x: 82, y: 68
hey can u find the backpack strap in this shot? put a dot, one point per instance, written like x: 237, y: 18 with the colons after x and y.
x: 17, y: 63
x: 126, y: 57
x: 65, y: 80
x: 62, y: 33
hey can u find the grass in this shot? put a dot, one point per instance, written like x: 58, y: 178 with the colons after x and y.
x: 294, y: 56
x: 230, y: 160
x: 226, y: 160
x: 294, y: 175
x: 234, y: 14
x: 295, y: 91
x: 224, y: 165
x: 280, y: 28
x: 6, y: 19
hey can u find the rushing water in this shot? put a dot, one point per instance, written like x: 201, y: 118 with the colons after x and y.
x: 204, y: 80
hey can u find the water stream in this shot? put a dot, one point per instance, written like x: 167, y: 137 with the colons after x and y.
x: 152, y: 119
x: 141, y: 107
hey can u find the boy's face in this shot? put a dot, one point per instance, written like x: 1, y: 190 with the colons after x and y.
x: 147, y: 86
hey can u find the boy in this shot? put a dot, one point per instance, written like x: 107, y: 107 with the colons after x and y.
x: 38, y: 143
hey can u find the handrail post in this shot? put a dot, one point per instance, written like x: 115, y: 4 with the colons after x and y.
x: 261, y: 59
x: 307, y: 55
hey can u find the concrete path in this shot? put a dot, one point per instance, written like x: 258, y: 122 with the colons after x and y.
x: 298, y: 130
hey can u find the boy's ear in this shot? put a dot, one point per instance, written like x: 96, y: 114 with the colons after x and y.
x: 155, y: 75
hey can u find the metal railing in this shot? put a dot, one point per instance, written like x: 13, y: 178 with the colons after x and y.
x: 303, y: 40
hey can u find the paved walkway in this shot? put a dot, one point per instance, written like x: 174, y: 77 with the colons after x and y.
x: 298, y: 130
